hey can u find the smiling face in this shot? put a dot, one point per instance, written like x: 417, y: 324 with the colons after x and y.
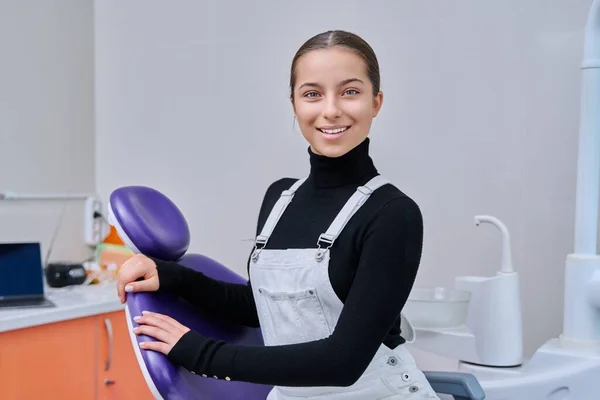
x: 333, y: 100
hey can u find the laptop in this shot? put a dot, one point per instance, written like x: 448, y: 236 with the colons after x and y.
x: 22, y: 276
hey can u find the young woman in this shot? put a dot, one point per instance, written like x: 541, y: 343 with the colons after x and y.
x: 330, y: 271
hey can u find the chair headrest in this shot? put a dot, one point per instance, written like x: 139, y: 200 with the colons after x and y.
x: 149, y: 222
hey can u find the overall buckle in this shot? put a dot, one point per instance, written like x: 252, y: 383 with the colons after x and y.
x: 325, y: 240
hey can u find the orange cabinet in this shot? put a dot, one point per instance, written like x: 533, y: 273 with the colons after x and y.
x: 119, y: 377
x: 54, y: 361
x: 84, y: 358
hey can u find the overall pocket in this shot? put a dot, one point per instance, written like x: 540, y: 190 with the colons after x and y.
x: 295, y: 317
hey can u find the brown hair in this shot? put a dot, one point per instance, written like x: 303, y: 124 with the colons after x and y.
x: 343, y: 39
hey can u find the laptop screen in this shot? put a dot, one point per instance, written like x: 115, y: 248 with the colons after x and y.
x: 21, y: 270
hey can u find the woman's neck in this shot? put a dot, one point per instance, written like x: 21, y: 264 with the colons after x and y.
x: 349, y: 168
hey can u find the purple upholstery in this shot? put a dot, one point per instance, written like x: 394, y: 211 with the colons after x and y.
x: 156, y: 227
x: 152, y: 221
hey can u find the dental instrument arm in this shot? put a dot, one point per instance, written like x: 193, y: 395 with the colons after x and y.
x: 588, y: 165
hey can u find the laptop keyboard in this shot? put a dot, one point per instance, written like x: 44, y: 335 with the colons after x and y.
x: 18, y: 303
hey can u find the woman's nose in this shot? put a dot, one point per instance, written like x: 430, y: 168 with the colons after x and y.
x: 331, y: 109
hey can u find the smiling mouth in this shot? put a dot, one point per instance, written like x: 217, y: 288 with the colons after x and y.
x: 334, y: 130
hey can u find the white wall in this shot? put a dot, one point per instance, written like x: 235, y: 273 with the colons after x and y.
x: 46, y: 119
x: 480, y: 116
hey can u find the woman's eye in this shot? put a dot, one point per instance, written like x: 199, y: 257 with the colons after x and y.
x: 351, y: 91
x: 311, y: 94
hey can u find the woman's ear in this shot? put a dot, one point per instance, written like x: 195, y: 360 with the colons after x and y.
x: 377, y: 103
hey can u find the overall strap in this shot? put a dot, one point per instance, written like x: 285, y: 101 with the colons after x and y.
x: 276, y: 213
x: 353, y: 204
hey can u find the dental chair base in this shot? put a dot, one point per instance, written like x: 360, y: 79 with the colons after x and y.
x: 559, y: 370
x: 563, y: 368
x: 566, y: 367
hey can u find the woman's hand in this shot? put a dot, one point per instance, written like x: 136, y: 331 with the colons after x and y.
x: 138, y: 266
x: 163, y: 328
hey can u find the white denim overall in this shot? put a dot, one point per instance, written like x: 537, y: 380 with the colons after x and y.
x: 296, y: 303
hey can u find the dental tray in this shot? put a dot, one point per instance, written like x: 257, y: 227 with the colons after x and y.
x: 437, y: 307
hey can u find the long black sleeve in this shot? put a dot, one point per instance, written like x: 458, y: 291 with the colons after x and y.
x: 390, y: 251
x: 230, y: 302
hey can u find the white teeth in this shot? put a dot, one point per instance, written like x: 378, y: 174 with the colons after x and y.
x: 334, y: 131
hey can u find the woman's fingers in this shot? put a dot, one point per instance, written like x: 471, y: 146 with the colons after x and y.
x: 156, y: 346
x: 147, y: 285
x: 128, y: 273
x: 166, y: 330
x: 171, y: 321
x: 155, y: 328
x: 138, y: 266
x: 163, y: 323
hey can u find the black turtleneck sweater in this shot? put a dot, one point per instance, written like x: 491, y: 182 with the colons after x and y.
x: 372, y: 268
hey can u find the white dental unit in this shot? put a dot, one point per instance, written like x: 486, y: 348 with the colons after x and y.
x: 478, y: 322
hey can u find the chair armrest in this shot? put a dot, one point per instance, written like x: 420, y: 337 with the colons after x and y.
x: 460, y: 385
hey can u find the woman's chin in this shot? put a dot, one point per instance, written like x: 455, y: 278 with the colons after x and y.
x: 337, y: 148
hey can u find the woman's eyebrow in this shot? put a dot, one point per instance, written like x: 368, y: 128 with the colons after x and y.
x: 342, y: 83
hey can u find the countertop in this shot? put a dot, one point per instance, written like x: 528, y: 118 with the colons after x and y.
x: 71, y: 302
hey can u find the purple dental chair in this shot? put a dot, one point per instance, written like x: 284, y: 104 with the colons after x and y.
x: 149, y: 223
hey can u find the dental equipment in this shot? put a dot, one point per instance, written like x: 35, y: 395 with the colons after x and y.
x: 93, y: 221
x: 488, y: 345
x: 492, y: 334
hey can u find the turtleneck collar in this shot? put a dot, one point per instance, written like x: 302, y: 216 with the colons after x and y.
x: 352, y: 167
